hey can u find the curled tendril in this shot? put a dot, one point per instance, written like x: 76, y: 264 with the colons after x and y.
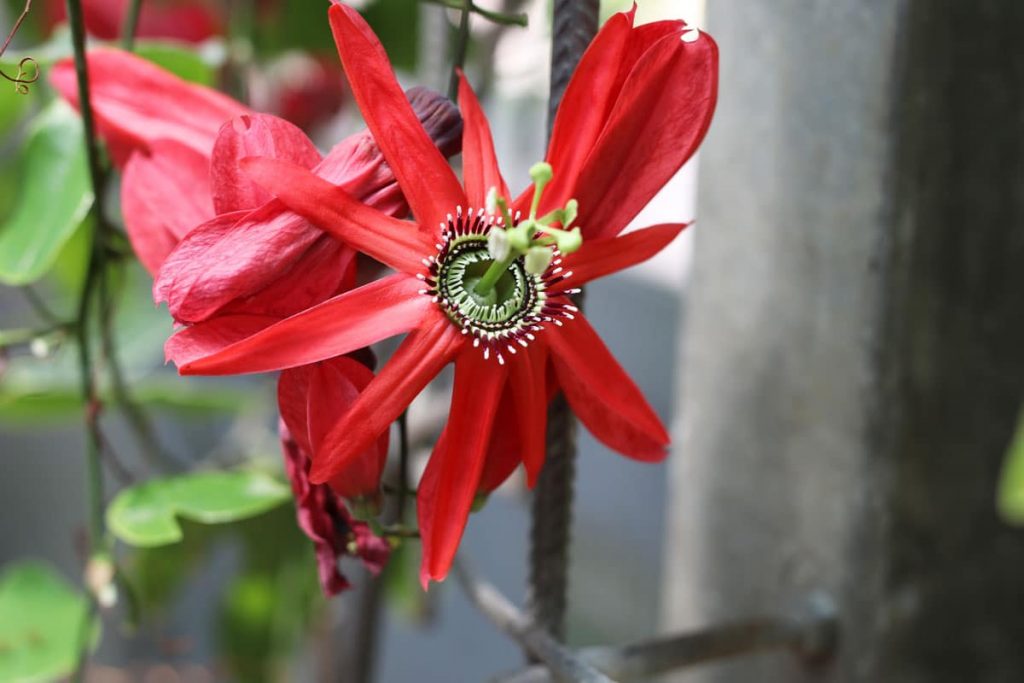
x: 28, y: 72
x: 24, y: 77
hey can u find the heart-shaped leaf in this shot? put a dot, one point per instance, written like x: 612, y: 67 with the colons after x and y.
x: 146, y: 515
x: 41, y: 618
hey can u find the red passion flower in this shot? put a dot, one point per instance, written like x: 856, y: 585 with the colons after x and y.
x: 484, y: 281
x: 183, y: 198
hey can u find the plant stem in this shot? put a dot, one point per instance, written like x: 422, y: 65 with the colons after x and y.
x: 403, y: 464
x: 17, y: 24
x: 142, y: 429
x: 130, y: 25
x: 500, y: 18
x: 38, y: 305
x: 93, y: 275
x: 461, y: 47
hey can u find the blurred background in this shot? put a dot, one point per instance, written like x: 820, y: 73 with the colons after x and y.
x: 836, y: 344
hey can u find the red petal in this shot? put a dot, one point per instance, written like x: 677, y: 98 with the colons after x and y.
x: 585, y: 106
x: 292, y: 403
x: 355, y: 319
x: 427, y: 181
x: 233, y: 255
x: 479, y: 163
x: 164, y: 195
x: 334, y: 386
x: 219, y: 264
x: 137, y: 103
x: 530, y: 395
x: 357, y: 163
x: 416, y: 361
x: 450, y: 482
x: 392, y: 242
x: 253, y: 135
x: 326, y: 269
x: 603, y: 396
x: 600, y: 257
x: 659, y: 119
x: 191, y: 24
x: 196, y: 342
x: 504, y: 449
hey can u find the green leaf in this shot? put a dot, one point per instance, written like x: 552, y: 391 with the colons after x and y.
x: 40, y: 621
x: 146, y: 515
x: 1011, y: 485
x: 55, y: 196
x: 179, y: 59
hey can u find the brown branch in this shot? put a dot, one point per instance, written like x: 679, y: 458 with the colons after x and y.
x: 17, y: 25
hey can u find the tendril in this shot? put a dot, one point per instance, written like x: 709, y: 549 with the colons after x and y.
x: 25, y: 76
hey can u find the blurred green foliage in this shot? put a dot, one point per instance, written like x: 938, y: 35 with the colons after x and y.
x: 41, y: 621
x: 185, y: 63
x: 265, y: 609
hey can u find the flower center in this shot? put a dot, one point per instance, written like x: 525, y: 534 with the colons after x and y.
x: 493, y: 272
x: 518, y: 305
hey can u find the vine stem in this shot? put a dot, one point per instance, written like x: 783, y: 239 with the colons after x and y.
x: 17, y: 24
x: 93, y: 276
x: 93, y: 273
x: 461, y: 47
x: 131, y: 25
x: 574, y: 26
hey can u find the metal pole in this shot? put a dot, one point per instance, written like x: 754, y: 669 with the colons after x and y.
x: 574, y: 26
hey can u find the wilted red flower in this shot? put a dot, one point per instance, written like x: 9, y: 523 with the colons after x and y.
x: 635, y: 111
x: 323, y: 517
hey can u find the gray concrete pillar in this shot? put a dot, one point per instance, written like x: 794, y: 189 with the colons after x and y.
x: 853, y: 357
